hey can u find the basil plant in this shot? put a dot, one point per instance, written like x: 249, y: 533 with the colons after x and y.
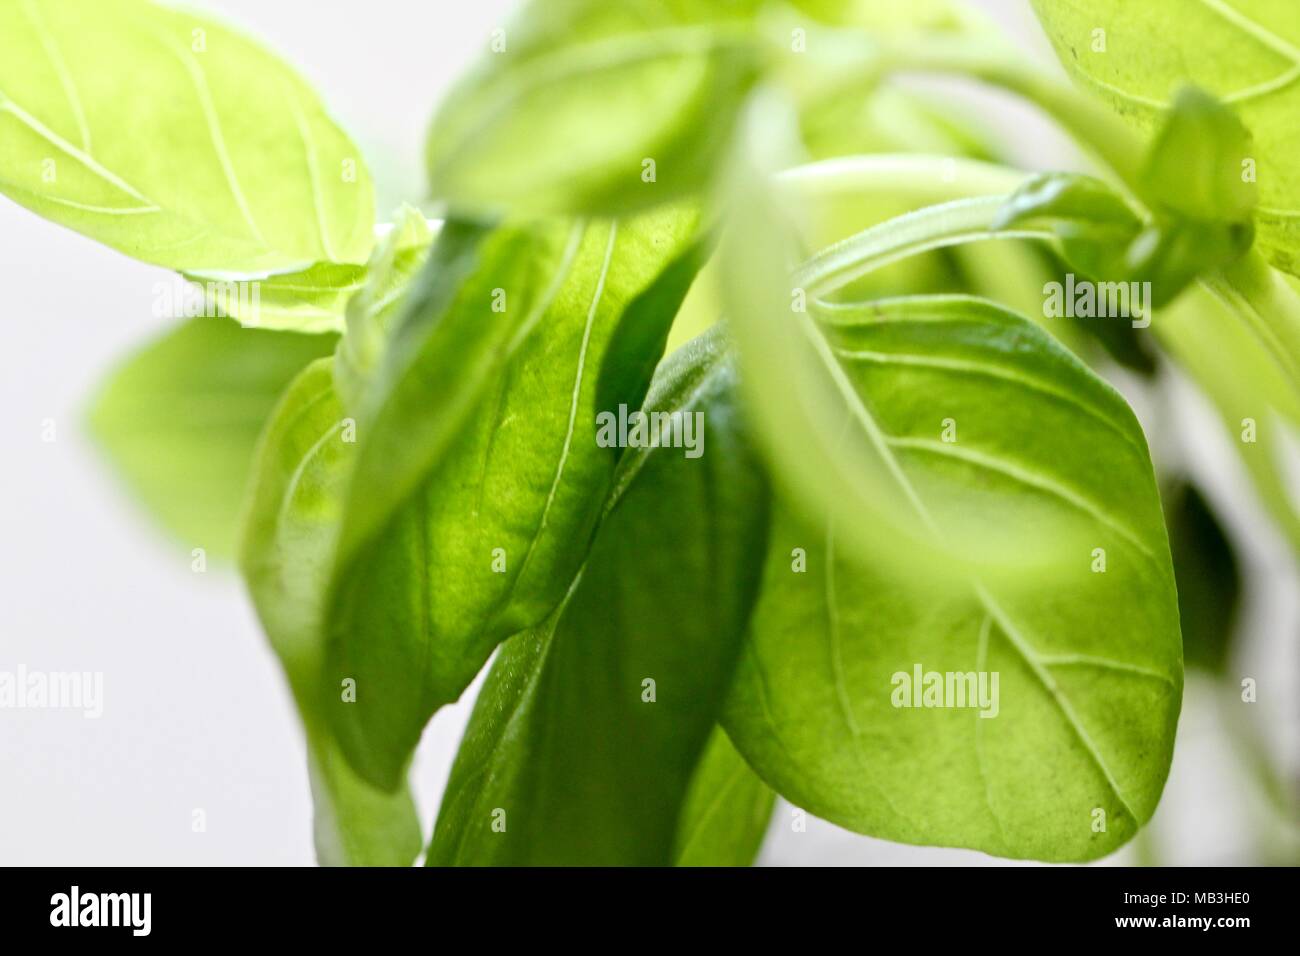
x: 733, y: 403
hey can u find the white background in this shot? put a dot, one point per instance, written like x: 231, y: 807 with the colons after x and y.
x: 196, y: 714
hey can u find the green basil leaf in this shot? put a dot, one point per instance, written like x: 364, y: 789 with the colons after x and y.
x: 179, y: 420
x: 1135, y: 56
x: 585, y: 736
x: 591, y: 107
x: 837, y: 198
x: 302, y: 468
x: 1050, y: 731
x: 236, y: 169
x: 726, y: 811
x: 479, y: 478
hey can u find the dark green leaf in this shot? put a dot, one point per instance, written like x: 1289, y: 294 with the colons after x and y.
x: 566, y: 752
x: 1209, y: 578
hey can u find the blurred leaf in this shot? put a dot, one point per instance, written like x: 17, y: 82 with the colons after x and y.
x: 579, y: 94
x: 1243, y: 55
x: 916, y: 14
x: 1193, y: 169
x: 889, y: 120
x: 1081, y: 719
x: 302, y: 467
x: 180, y: 420
x: 236, y: 169
x: 565, y: 747
x: 902, y: 405
x: 726, y: 812
x: 1209, y: 579
x: 478, y: 477
x: 589, y: 107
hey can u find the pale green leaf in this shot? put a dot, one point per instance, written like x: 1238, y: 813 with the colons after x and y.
x: 316, y: 299
x: 294, y: 508
x: 566, y: 748
x: 869, y: 14
x: 180, y: 419
x: 1194, y: 168
x: 311, y: 300
x: 174, y: 139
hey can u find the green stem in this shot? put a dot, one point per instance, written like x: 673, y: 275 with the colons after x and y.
x: 934, y: 227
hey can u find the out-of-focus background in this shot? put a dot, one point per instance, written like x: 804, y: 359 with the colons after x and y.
x: 196, y: 714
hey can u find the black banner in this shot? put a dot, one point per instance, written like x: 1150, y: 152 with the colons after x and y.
x: 1004, y: 903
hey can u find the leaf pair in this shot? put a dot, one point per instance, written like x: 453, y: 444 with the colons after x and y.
x: 478, y: 480
x: 587, y: 734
